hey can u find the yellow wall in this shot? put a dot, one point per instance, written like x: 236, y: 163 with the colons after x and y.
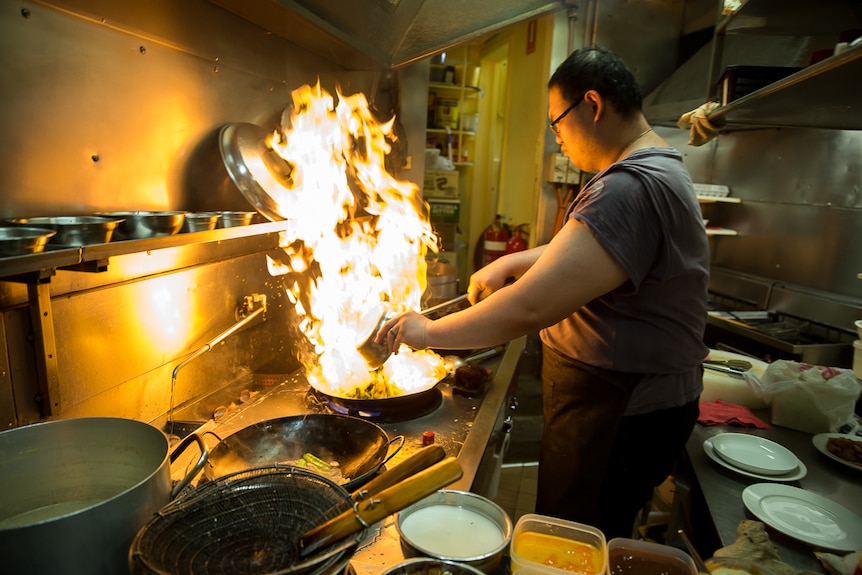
x: 523, y: 150
x: 509, y: 147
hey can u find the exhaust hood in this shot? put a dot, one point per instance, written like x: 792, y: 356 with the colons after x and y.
x: 383, y: 34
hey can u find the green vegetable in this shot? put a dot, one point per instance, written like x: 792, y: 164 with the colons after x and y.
x: 317, y: 462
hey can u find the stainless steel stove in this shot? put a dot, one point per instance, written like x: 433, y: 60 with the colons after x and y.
x: 472, y: 428
x: 772, y: 321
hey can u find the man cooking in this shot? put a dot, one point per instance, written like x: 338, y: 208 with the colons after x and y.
x: 618, y: 297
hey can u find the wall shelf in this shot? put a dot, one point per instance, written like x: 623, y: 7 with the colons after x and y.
x: 87, y: 258
x: 469, y: 91
x: 714, y: 199
x: 720, y: 232
x: 454, y: 132
x: 821, y: 95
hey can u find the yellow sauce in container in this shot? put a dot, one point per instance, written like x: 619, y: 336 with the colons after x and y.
x: 559, y: 553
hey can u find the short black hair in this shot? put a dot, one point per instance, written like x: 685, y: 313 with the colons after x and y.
x: 597, y: 68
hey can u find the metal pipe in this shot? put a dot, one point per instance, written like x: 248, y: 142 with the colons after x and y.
x: 245, y: 311
x: 228, y: 332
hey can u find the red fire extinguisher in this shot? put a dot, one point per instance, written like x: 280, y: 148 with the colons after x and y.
x: 517, y: 243
x: 494, y: 240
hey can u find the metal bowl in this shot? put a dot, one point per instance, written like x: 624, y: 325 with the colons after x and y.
x: 75, y: 230
x: 235, y: 219
x: 143, y: 224
x: 17, y: 241
x: 428, y: 566
x: 200, y: 221
x: 459, y: 507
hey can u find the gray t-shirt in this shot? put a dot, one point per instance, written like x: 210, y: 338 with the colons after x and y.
x: 644, y: 212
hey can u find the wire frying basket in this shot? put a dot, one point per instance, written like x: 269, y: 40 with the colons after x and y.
x: 245, y: 523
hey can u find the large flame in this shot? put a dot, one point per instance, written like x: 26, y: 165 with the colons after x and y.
x: 358, y: 239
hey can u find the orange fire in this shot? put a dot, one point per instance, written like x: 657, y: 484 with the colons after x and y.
x: 358, y: 239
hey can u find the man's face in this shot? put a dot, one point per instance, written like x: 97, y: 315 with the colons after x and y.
x: 563, y: 121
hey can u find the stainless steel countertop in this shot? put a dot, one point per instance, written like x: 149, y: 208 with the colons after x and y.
x: 722, y: 488
x: 462, y: 426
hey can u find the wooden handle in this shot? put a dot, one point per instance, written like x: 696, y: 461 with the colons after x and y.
x: 422, y: 459
x: 388, y: 501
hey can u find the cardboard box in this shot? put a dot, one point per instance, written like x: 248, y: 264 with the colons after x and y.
x: 445, y: 210
x: 441, y: 184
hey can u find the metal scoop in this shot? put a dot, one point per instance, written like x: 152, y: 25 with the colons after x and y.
x: 376, y: 354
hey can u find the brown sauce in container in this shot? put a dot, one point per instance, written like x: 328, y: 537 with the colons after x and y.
x: 631, y: 561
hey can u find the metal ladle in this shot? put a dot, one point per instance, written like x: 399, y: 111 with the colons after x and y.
x: 376, y: 354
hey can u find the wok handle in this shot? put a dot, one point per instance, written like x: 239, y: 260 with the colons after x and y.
x: 399, y: 440
x: 202, y: 460
x: 422, y: 459
x: 387, y: 502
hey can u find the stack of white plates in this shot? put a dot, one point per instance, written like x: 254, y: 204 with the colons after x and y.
x: 754, y: 456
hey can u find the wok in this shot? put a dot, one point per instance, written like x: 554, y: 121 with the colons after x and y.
x: 389, y: 409
x: 360, y: 447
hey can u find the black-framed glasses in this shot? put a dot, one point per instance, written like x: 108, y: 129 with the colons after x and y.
x: 553, y: 125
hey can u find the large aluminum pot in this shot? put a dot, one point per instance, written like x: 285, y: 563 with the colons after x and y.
x: 74, y: 492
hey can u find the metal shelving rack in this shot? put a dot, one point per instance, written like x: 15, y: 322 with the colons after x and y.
x: 822, y: 95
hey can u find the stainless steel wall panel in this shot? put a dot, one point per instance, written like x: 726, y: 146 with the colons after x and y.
x: 793, y: 166
x: 645, y: 33
x: 106, y: 104
x: 114, y: 339
x: 800, y: 219
x: 814, y: 246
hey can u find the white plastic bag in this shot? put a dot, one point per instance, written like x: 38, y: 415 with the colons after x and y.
x: 808, y: 397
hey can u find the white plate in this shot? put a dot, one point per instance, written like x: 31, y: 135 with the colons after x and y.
x: 800, y: 472
x: 754, y: 454
x: 805, y: 516
x: 820, y: 440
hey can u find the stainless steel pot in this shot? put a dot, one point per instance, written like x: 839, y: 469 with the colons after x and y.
x: 442, y: 283
x: 74, y: 492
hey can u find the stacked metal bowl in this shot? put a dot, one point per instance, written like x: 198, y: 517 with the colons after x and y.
x: 200, y: 221
x: 18, y: 240
x: 145, y: 224
x: 73, y: 230
x: 235, y: 219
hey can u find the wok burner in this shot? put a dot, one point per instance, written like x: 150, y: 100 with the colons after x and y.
x: 389, y: 410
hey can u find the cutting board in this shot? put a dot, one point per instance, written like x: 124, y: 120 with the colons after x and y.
x: 731, y: 389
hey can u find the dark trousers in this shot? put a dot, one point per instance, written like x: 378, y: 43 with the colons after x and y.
x: 596, y: 466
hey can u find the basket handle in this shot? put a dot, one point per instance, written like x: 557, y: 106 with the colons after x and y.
x: 421, y: 459
x: 391, y: 500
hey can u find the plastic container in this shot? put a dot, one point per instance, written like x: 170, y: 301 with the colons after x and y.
x: 447, y: 113
x: 574, y: 539
x: 627, y: 556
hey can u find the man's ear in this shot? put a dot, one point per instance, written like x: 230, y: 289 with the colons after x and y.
x: 596, y: 103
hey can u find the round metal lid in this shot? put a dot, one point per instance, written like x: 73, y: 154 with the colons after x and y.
x: 256, y: 169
